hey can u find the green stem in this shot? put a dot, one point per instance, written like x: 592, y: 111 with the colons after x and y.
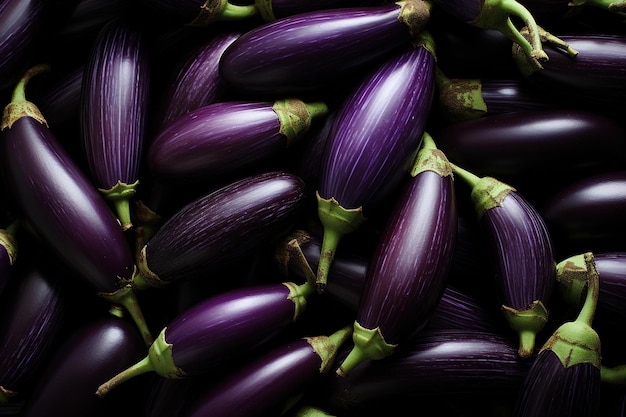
x: 19, y: 93
x: 141, y: 367
x: 470, y: 178
x: 369, y: 344
x: 127, y: 298
x: 238, y: 12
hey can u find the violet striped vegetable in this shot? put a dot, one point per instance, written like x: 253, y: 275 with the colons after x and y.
x: 221, y: 226
x: 114, y: 106
x: 305, y: 52
x: 375, y: 136
x: 8, y: 251
x: 522, y: 251
x: 265, y: 385
x: 564, y: 378
x: 62, y: 206
x: 230, y: 325
x: 220, y: 139
x: 202, y: 13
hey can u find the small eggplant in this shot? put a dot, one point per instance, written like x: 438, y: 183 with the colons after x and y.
x: 219, y: 139
x: 8, y: 251
x: 201, y: 13
x: 304, y: 52
x: 230, y: 324
x: 522, y: 251
x: 114, y: 106
x: 265, y: 385
x: 62, y: 206
x: 221, y: 226
x: 374, y: 139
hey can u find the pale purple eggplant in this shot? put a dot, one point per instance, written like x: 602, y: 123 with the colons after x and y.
x: 201, y: 13
x: 63, y: 207
x: 305, y: 52
x: 220, y: 328
x: 92, y: 353
x: 375, y: 136
x: 220, y: 139
x: 8, y: 251
x: 265, y: 385
x: 564, y: 378
x: 270, y: 10
x: 521, y: 248
x: 114, y: 109
x: 221, y: 226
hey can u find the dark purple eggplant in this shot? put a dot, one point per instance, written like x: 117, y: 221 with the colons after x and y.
x: 270, y: 10
x: 61, y: 101
x: 221, y: 226
x: 227, y: 325
x: 374, y: 138
x: 114, y: 109
x: 521, y: 248
x: 62, y: 206
x: 201, y: 13
x: 564, y: 378
x: 8, y: 251
x: 266, y: 385
x: 220, y: 139
x: 306, y: 51
x: 92, y: 353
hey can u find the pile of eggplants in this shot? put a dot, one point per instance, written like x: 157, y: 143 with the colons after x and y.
x: 296, y: 208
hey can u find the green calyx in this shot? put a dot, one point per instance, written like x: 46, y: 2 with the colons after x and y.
x: 8, y: 241
x: 120, y: 195
x: 528, y: 65
x: 20, y: 107
x: 369, y: 344
x: 459, y: 98
x: 429, y: 158
x: 144, y: 278
x: 527, y: 323
x: 299, y: 295
x: 572, y: 279
x: 487, y: 192
x: 327, y: 347
x: 222, y: 10
x: 295, y: 117
x: 617, y: 7
x: 415, y: 14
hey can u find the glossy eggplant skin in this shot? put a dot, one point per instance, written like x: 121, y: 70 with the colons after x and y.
x: 304, y: 52
x: 221, y: 226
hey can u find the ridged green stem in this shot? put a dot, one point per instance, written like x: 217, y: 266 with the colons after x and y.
x: 222, y: 10
x: 20, y: 107
x: 327, y: 347
x: 120, y: 195
x: 369, y: 344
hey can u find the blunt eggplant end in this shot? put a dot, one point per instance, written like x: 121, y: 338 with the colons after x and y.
x: 337, y: 221
x: 127, y: 298
x: 328, y: 346
x: 527, y: 323
x: 299, y: 295
x: 296, y: 116
x: 369, y: 344
x: 572, y: 278
x: 144, y: 278
x: 120, y: 195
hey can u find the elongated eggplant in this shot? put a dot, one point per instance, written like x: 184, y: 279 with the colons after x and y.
x: 375, y: 136
x: 265, y: 385
x: 219, y: 139
x: 221, y: 226
x: 201, y: 13
x: 304, y: 52
x: 62, y: 206
x: 8, y: 251
x: 229, y: 324
x: 522, y: 251
x: 114, y: 108
x: 564, y: 378
x: 92, y: 353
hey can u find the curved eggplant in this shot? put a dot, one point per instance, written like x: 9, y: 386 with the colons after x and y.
x: 114, y: 108
x: 306, y: 51
x: 220, y: 227
x: 375, y: 136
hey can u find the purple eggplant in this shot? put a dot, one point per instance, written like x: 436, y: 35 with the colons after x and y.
x: 8, y: 251
x: 267, y: 384
x: 61, y: 101
x: 270, y: 10
x: 305, y: 52
x: 201, y: 13
x: 227, y: 325
x: 114, y: 106
x: 221, y: 226
x: 521, y: 248
x: 62, y: 206
x: 219, y: 139
x: 375, y: 136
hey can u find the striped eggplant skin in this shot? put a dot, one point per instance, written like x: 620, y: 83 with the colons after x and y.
x: 270, y: 10
x: 265, y: 385
x: 92, y: 353
x: 114, y: 109
x: 221, y: 226
x: 221, y: 139
x: 304, y: 52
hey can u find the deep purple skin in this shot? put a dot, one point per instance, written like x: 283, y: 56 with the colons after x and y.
x: 61, y: 101
x: 224, y: 225
x: 462, y: 10
x: 92, y: 353
x: 197, y: 82
x: 550, y: 389
x: 361, y: 164
x: 440, y: 362
x: 114, y: 104
x: 215, y: 140
x: 284, y: 8
x: 305, y: 52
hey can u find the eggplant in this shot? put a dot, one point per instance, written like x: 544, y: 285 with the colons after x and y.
x: 8, y: 251
x: 303, y: 53
x: 265, y: 385
x: 92, y: 353
x: 62, y: 206
x: 270, y: 10
x: 61, y: 101
x: 522, y: 250
x: 230, y: 324
x: 201, y: 13
x: 221, y: 226
x: 221, y: 139
x: 564, y: 378
x: 374, y: 138
x: 114, y: 108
